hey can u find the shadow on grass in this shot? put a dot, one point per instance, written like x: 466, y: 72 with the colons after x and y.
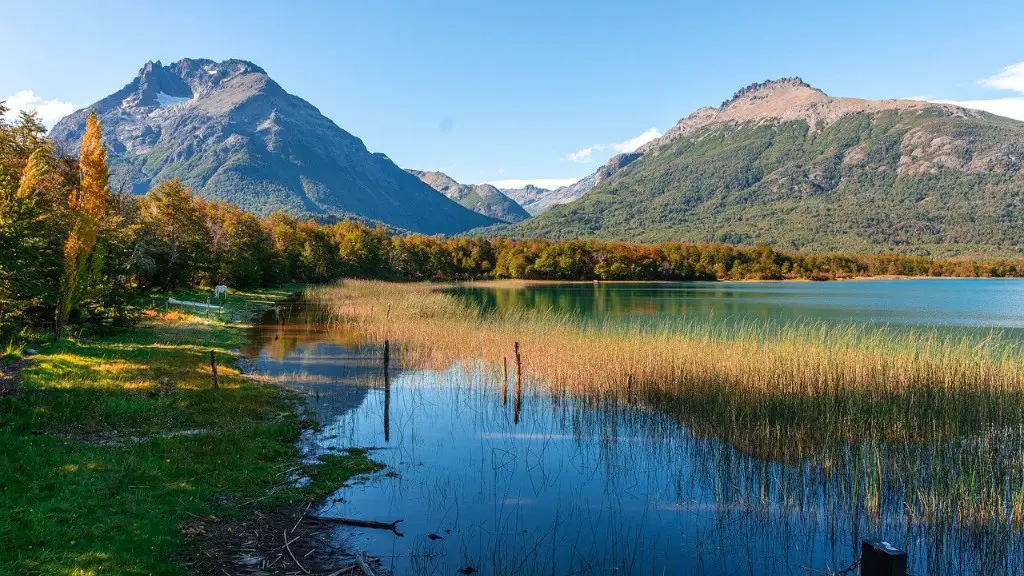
x: 75, y: 500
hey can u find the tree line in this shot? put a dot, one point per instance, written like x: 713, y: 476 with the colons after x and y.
x: 74, y: 251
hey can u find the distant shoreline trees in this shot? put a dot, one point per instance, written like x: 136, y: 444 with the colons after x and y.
x: 73, y: 251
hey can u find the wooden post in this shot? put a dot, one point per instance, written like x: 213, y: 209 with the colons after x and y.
x: 213, y: 366
x: 519, y: 385
x: 207, y: 306
x: 879, y: 558
x: 504, y: 380
x: 387, y: 392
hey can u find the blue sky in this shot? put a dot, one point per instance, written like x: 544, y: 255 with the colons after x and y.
x: 488, y: 91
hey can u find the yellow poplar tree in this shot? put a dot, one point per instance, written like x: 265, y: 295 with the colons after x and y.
x: 88, y: 203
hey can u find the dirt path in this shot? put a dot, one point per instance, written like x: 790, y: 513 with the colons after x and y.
x: 10, y: 375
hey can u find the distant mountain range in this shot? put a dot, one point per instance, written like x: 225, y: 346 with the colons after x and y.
x: 785, y: 164
x: 234, y: 134
x: 482, y: 198
x: 780, y: 163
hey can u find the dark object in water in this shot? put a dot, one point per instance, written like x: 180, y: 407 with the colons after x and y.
x: 392, y: 526
x: 433, y: 536
x: 468, y: 570
x: 879, y: 558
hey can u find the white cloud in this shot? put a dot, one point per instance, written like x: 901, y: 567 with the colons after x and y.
x: 49, y: 111
x: 1009, y: 78
x: 582, y: 156
x: 549, y: 183
x: 637, y: 141
x: 1008, y: 107
x: 586, y: 155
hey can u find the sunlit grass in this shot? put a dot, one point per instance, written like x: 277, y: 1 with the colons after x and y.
x: 93, y: 476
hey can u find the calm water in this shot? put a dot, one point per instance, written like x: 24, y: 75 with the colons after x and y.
x: 967, y: 303
x: 569, y: 485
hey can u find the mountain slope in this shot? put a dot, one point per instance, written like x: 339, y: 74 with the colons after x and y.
x: 785, y: 164
x: 527, y: 196
x: 234, y: 134
x: 548, y: 199
x: 481, y: 198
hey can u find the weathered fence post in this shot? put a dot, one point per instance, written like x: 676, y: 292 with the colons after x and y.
x: 519, y: 384
x: 879, y: 558
x: 213, y: 367
x: 387, y: 391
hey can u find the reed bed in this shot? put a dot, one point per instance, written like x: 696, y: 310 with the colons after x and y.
x: 927, y: 421
x: 808, y: 360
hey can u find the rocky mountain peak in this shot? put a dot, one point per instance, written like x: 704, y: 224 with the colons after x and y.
x: 481, y: 198
x: 768, y: 87
x: 789, y: 99
x: 232, y: 133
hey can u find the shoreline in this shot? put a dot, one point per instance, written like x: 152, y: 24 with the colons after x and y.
x: 519, y: 282
x: 212, y: 471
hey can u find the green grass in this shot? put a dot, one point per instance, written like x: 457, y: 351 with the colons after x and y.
x: 81, y: 494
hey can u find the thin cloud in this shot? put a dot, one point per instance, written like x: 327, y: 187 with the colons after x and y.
x: 549, y: 183
x: 582, y: 156
x: 1007, y: 107
x: 48, y: 111
x: 637, y: 141
x: 1010, y: 79
x: 586, y: 155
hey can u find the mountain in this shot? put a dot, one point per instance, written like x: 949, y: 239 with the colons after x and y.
x: 527, y: 196
x: 481, y: 198
x: 785, y: 164
x: 234, y: 134
x: 565, y: 194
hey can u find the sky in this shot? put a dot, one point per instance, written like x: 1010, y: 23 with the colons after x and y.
x: 524, y: 91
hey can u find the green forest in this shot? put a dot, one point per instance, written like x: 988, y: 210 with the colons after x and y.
x: 865, y: 183
x: 76, y: 249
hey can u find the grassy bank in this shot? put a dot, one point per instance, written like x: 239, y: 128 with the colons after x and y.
x: 109, y: 445
x: 934, y: 416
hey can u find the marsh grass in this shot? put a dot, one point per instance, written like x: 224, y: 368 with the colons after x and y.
x: 923, y: 423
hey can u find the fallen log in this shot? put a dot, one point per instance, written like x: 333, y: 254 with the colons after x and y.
x: 392, y: 526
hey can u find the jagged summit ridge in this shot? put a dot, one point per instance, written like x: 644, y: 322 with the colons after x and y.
x: 749, y: 89
x: 481, y: 198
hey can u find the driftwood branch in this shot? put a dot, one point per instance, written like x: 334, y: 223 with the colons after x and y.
x: 392, y: 526
x: 288, y: 547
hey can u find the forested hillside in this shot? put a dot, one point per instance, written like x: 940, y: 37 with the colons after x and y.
x: 784, y: 165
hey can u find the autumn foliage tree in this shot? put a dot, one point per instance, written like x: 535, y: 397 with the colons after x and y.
x: 88, y: 203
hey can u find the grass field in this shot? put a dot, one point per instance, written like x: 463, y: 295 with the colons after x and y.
x: 109, y: 443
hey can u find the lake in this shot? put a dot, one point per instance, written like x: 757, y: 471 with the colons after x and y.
x: 558, y: 483
x: 953, y: 302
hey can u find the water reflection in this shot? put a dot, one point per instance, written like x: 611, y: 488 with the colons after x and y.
x: 567, y: 484
x: 975, y: 303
